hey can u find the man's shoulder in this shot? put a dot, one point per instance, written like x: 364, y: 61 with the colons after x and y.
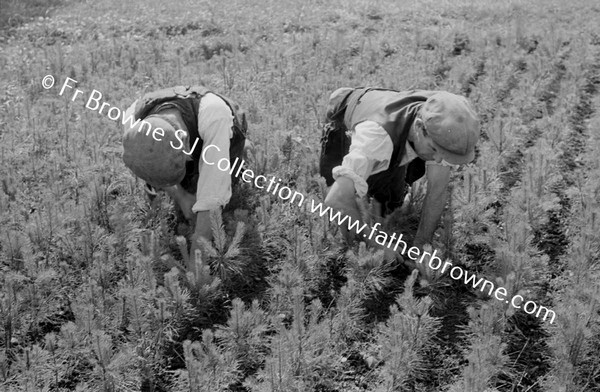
x: 415, y: 93
x: 183, y: 97
x: 177, y: 92
x: 386, y: 105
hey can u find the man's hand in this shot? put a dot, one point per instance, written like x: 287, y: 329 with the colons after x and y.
x: 186, y: 205
x: 389, y: 255
x: 203, y: 229
x: 420, y: 242
x: 341, y: 197
x: 184, y: 200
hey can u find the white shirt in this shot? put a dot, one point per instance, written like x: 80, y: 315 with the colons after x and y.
x: 370, y: 153
x: 215, y: 126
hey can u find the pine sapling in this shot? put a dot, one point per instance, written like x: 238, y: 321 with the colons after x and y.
x: 223, y: 256
x: 369, y: 270
x: 303, y: 354
x: 403, y: 338
x: 244, y: 335
x: 209, y: 367
x: 485, y: 353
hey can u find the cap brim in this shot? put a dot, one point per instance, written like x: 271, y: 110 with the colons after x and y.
x: 456, y: 159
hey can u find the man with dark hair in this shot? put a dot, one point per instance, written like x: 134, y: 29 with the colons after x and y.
x: 376, y: 142
x: 165, y: 134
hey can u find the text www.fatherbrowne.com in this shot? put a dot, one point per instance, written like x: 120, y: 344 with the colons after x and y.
x: 274, y: 186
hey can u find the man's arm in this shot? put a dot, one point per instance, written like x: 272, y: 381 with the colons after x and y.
x: 203, y: 226
x: 341, y: 197
x: 435, y: 200
x: 369, y: 153
x: 215, y: 122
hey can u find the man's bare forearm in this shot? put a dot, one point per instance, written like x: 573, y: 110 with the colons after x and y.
x: 433, y: 206
x: 203, y: 225
x: 341, y: 197
x: 184, y: 200
x: 203, y: 229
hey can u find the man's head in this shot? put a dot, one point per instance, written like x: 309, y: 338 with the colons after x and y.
x: 446, y: 129
x: 153, y: 150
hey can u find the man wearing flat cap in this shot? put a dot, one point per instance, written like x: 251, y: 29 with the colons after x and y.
x: 165, y: 134
x: 376, y: 142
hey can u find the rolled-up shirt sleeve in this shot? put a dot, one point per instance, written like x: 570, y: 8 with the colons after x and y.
x: 370, y: 153
x: 215, y: 122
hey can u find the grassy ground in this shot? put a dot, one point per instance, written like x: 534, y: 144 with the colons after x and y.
x: 88, y: 296
x: 15, y: 13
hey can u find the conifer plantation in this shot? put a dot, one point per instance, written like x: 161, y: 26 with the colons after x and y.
x: 93, y: 293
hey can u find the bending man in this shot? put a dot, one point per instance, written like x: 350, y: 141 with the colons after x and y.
x: 376, y: 142
x: 165, y: 149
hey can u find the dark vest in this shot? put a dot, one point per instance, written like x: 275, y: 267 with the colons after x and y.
x: 395, y: 111
x: 186, y: 100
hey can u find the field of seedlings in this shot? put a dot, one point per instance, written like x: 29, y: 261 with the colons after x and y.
x: 92, y: 293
